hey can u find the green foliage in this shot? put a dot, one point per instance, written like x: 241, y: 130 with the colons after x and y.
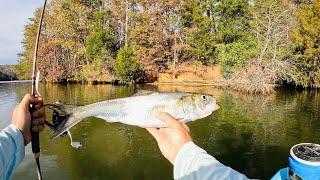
x: 233, y: 56
x: 306, y: 37
x: 22, y: 70
x: 97, y: 41
x: 202, y: 48
x: 100, y: 38
x: 127, y: 68
x: 236, y: 45
x: 233, y: 20
x: 198, y: 32
x: 193, y: 15
x: 100, y: 69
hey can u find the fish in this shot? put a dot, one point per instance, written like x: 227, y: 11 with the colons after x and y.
x: 139, y: 110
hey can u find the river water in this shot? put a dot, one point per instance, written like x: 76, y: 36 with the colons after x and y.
x: 250, y: 133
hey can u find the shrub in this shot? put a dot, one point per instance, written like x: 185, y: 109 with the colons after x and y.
x: 234, y: 55
x: 100, y: 69
x: 127, y: 68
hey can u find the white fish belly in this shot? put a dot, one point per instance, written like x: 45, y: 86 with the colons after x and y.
x: 142, y: 111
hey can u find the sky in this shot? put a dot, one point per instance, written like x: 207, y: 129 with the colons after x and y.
x: 14, y: 16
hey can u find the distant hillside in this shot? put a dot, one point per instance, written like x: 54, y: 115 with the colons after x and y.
x: 7, y: 73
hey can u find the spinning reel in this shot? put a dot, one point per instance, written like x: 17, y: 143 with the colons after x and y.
x: 60, y: 114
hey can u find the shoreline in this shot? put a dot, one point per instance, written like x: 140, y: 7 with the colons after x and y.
x: 188, y: 83
x: 193, y: 83
x: 221, y: 84
x: 15, y: 81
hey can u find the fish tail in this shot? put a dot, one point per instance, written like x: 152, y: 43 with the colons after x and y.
x: 63, y: 118
x: 65, y: 125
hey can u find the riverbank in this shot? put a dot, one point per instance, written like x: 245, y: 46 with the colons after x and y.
x: 192, y: 75
x: 7, y: 73
x: 200, y: 75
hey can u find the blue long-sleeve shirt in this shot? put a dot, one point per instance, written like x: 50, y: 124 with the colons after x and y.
x: 194, y: 163
x: 11, y: 150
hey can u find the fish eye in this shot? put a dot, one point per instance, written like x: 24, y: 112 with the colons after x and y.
x: 204, y: 97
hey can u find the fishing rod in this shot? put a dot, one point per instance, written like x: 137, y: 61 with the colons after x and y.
x: 35, y: 135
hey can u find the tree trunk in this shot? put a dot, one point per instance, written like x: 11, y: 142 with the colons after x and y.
x: 126, y: 24
x: 175, y: 56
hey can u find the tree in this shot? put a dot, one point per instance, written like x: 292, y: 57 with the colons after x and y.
x: 101, y: 37
x: 272, y: 24
x: 121, y: 11
x: 23, y: 68
x: 97, y: 41
x: 306, y: 38
x: 234, y: 56
x: 232, y: 20
x: 199, y: 31
x: 157, y: 35
x: 64, y: 36
x: 127, y: 68
x: 265, y: 56
x: 236, y: 44
x: 147, y: 37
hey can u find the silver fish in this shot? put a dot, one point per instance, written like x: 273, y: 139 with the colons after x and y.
x: 141, y: 110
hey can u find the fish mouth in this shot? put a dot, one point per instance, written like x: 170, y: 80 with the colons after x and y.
x: 213, y: 107
x: 216, y: 107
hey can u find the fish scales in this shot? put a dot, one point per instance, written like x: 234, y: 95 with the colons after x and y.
x: 142, y: 110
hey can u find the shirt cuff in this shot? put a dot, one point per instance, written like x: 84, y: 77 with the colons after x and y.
x: 184, y: 158
x: 17, y: 136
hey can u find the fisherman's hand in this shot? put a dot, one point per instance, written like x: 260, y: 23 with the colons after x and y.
x: 21, y: 117
x: 171, y: 139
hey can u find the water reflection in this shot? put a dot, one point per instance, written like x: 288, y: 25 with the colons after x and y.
x: 252, y: 134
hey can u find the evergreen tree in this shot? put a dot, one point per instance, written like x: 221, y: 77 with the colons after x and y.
x: 236, y: 44
x: 306, y: 37
x: 199, y: 31
x: 127, y: 68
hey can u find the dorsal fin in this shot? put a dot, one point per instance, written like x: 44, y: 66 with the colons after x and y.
x: 144, y: 93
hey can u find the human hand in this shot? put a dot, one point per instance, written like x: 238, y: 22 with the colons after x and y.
x: 21, y: 117
x: 171, y: 139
